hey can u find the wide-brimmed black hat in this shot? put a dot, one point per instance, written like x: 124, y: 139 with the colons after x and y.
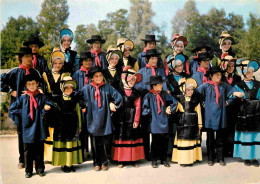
x: 31, y: 77
x: 150, y: 38
x: 94, y: 70
x: 203, y: 55
x: 200, y: 46
x: 24, y: 50
x: 34, y: 40
x: 155, y: 80
x: 212, y: 70
x: 85, y: 55
x: 151, y: 52
x: 96, y: 38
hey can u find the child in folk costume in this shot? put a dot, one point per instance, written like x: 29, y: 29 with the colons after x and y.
x: 32, y: 107
x: 158, y: 103
x: 187, y: 146
x: 126, y: 46
x: 128, y: 145
x: 98, y: 56
x: 101, y: 99
x: 11, y: 82
x: 247, y: 134
x: 53, y: 80
x: 66, y: 145
x: 215, y: 94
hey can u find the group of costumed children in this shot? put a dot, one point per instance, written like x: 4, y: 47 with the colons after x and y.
x: 117, y: 101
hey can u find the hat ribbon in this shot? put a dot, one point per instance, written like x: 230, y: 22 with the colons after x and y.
x: 158, y: 99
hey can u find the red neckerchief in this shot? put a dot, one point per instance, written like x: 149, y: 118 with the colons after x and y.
x: 158, y: 99
x: 200, y: 69
x: 229, y: 79
x: 224, y: 54
x: 216, y: 89
x: 84, y: 70
x: 195, y: 57
x: 145, y: 49
x: 25, y: 68
x: 97, y: 92
x: 34, y: 61
x: 152, y: 68
x: 128, y: 92
x: 33, y: 102
x: 97, y: 61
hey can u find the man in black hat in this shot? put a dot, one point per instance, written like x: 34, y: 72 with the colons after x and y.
x: 149, y: 43
x: 39, y: 62
x: 12, y: 82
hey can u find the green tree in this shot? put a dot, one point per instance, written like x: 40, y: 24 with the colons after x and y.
x: 13, y: 34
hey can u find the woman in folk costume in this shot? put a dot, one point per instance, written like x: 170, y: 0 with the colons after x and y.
x: 67, y: 149
x: 12, y: 83
x: 102, y: 99
x: 71, y: 63
x: 126, y: 46
x: 112, y: 73
x: 187, y: 146
x: 39, y: 62
x: 203, y: 60
x: 128, y: 145
x: 53, y: 80
x: 98, y: 56
x: 215, y: 94
x: 178, y: 44
x: 150, y: 43
x: 193, y: 63
x: 225, y: 43
x: 247, y: 134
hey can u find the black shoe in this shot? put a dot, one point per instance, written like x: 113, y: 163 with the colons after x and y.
x: 28, y: 175
x: 72, y: 169
x: 210, y: 163
x: 255, y: 163
x: 165, y: 163
x: 66, y: 169
x: 222, y: 163
x: 183, y: 165
x: 41, y: 174
x: 247, y: 162
x: 154, y: 164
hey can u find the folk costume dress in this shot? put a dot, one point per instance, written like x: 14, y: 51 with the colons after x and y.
x: 247, y: 134
x: 187, y: 145
x: 132, y: 62
x: 128, y: 144
x: 71, y: 63
x: 113, y: 76
x: 66, y: 145
x: 98, y: 118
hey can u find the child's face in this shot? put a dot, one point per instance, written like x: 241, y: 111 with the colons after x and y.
x: 158, y: 87
x: 249, y: 74
x: 150, y: 45
x: 27, y: 59
x: 32, y: 85
x: 96, y: 45
x: 153, y: 61
x: 113, y: 61
x: 66, y: 42
x: 68, y: 90
x: 127, y: 52
x: 35, y: 48
x: 97, y: 78
x: 131, y: 80
x: 57, y: 65
x: 86, y: 63
x: 178, y: 67
x: 189, y: 91
x: 226, y: 45
x: 230, y: 67
x: 204, y: 63
x: 216, y: 77
x: 178, y: 48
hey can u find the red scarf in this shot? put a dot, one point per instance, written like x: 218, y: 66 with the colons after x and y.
x: 97, y: 92
x: 158, y: 99
x: 128, y: 92
x: 200, y: 69
x: 195, y: 57
x: 34, y: 61
x: 97, y: 61
x: 84, y: 70
x: 25, y: 68
x: 216, y: 89
x: 145, y: 49
x: 152, y: 68
x: 33, y: 102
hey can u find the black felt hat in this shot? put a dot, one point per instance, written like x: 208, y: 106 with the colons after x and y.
x: 85, y: 55
x: 150, y: 38
x: 94, y: 70
x: 151, y: 52
x: 31, y: 77
x: 200, y: 46
x: 24, y: 50
x: 203, y: 55
x: 34, y: 40
x: 212, y: 70
x: 155, y: 80
x: 95, y: 38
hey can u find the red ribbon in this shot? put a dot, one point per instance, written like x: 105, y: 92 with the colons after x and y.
x: 229, y: 79
x: 84, y: 70
x: 216, y: 89
x: 33, y: 102
x: 224, y: 54
x: 158, y: 99
x: 25, y: 68
x: 34, y: 61
x: 97, y: 61
x: 152, y: 68
x: 97, y: 92
x: 200, y: 69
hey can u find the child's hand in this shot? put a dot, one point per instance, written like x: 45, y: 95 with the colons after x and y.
x: 112, y: 107
x: 83, y: 110
x: 135, y: 125
x: 168, y: 110
x: 24, y: 93
x: 238, y: 94
x: 47, y: 107
x: 40, y: 90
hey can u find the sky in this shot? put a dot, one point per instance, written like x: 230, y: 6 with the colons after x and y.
x: 91, y: 11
